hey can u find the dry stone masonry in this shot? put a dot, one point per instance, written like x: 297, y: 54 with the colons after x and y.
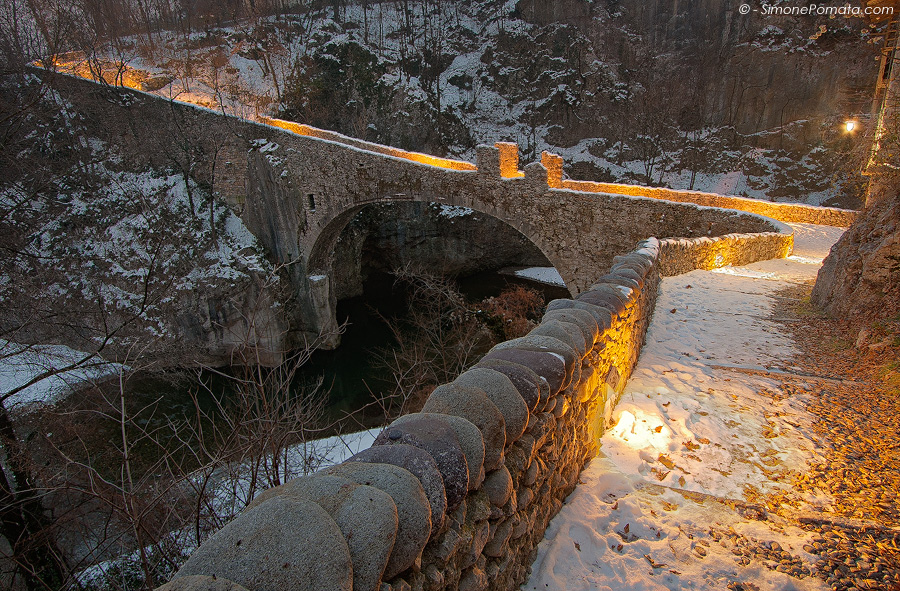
x: 459, y: 495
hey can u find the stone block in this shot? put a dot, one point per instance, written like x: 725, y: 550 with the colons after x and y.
x: 366, y: 516
x: 583, y: 319
x: 545, y: 344
x: 413, y: 508
x: 501, y: 391
x: 551, y: 368
x: 498, y: 545
x: 480, y: 536
x: 470, y: 440
x: 434, y: 435
x: 473, y: 579
x: 618, y: 280
x: 499, y: 486
x: 473, y: 405
x: 565, y: 332
x: 629, y: 274
x: 602, y: 300
x: 258, y: 549
x: 527, y: 382
x: 601, y: 315
x: 421, y: 465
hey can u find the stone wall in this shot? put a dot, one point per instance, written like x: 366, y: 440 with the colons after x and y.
x: 459, y: 495
x: 783, y: 212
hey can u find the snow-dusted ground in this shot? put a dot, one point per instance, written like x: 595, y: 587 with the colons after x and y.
x: 20, y: 364
x: 695, y: 445
x: 543, y: 274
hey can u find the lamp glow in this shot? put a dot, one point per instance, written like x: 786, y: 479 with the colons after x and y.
x: 849, y: 126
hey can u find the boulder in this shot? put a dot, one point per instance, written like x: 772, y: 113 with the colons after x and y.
x: 413, y: 509
x: 470, y: 440
x: 421, y: 465
x: 473, y: 405
x: 259, y: 551
x: 503, y: 394
x: 530, y: 385
x: 437, y: 437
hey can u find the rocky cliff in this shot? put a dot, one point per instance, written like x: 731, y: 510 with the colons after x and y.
x: 861, y: 276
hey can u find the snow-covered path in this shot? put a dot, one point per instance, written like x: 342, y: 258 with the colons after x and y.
x: 700, y: 436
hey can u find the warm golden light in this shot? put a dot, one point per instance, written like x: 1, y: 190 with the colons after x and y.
x: 303, y: 129
x: 849, y: 126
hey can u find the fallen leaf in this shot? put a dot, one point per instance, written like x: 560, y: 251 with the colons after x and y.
x: 658, y: 429
x: 665, y: 461
x: 703, y: 440
x: 577, y: 547
x: 653, y: 563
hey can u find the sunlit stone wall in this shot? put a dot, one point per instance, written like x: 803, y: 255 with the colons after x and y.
x: 459, y: 495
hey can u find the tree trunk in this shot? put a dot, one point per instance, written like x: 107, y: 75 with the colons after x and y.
x: 23, y: 521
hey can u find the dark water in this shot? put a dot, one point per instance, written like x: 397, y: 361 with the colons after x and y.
x: 351, y: 375
x: 352, y: 371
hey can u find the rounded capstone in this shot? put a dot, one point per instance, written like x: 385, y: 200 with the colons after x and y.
x: 469, y: 438
x: 641, y: 263
x: 601, y: 315
x: 547, y: 344
x: 501, y: 391
x: 551, y: 368
x: 613, y: 279
x: 413, y: 509
x: 583, y: 319
x: 499, y: 486
x: 259, y: 549
x: 603, y: 299
x: 418, y: 462
x: 438, y: 438
x: 530, y: 385
x: 200, y: 583
x: 366, y: 516
x: 567, y: 333
x: 473, y: 405
x: 635, y: 266
x: 629, y: 274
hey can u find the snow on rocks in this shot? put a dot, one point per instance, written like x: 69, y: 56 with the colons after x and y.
x: 547, y: 275
x: 676, y: 498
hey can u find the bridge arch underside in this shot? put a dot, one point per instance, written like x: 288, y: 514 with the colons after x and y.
x: 383, y: 234
x: 455, y: 229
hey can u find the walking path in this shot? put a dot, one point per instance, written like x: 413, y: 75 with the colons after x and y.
x: 705, y: 438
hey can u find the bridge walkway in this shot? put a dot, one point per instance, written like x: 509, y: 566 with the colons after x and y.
x: 705, y: 435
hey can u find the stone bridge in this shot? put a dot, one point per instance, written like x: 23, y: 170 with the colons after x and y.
x: 307, y: 184
x: 296, y: 187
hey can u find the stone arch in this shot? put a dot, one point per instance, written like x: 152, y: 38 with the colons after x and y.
x: 322, y: 243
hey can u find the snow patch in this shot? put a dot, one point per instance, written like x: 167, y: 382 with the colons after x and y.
x: 548, y: 275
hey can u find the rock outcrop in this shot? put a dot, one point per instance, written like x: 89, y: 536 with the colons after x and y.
x: 862, y: 273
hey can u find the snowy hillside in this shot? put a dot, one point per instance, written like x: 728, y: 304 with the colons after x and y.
x: 444, y: 77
